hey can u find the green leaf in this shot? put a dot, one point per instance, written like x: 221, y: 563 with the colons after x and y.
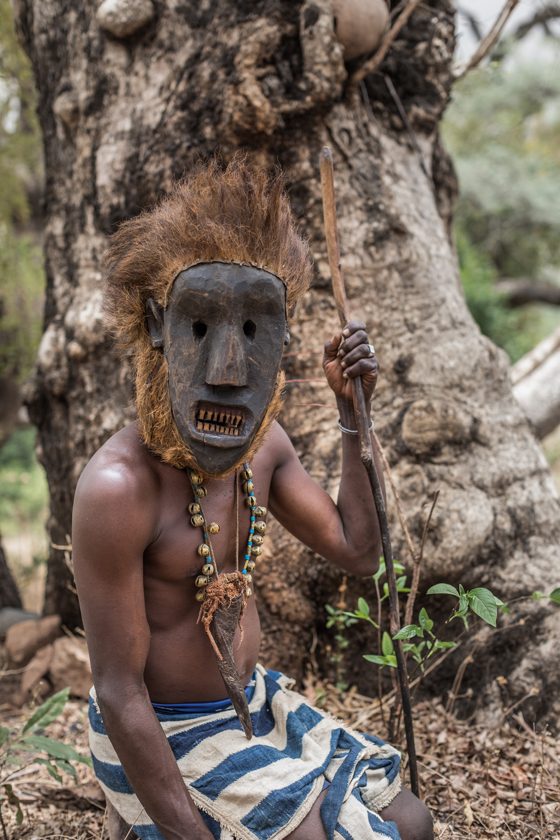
x: 425, y: 621
x: 538, y: 596
x: 440, y: 645
x: 56, y: 749
x: 442, y: 589
x: 555, y: 596
x: 483, y: 603
x: 387, y: 646
x: 383, y: 661
x: 67, y: 768
x: 48, y: 711
x: 373, y: 657
x: 52, y: 771
x: 4, y: 735
x: 363, y: 606
x: 409, y: 631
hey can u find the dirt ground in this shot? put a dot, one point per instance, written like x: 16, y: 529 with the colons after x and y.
x: 490, y: 784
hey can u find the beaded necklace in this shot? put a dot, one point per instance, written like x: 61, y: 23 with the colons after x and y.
x: 223, y: 597
x: 257, y: 527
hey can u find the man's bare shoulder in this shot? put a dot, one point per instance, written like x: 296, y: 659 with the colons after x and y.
x: 121, y: 469
x: 277, y: 447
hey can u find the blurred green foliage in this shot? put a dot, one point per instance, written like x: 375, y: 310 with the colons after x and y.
x: 21, y: 266
x: 24, y: 486
x: 20, y: 138
x: 502, y: 130
x: 21, y: 302
x: 515, y: 330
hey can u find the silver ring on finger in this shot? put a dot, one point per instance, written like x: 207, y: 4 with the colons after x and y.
x: 371, y: 350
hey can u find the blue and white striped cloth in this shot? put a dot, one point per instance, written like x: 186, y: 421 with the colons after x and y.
x: 263, y: 788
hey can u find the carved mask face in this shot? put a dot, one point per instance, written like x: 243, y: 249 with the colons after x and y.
x: 222, y: 333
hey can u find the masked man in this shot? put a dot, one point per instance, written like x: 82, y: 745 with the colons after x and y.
x: 191, y: 738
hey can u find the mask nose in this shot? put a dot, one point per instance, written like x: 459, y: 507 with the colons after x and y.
x: 227, y: 362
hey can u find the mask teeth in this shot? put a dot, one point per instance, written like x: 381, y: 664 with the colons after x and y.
x: 218, y: 422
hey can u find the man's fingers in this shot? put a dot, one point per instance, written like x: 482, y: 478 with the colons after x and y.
x: 362, y: 351
x: 361, y: 368
x: 353, y: 341
x: 352, y: 326
x: 331, y: 347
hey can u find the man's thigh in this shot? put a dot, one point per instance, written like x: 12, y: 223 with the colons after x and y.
x: 311, y: 828
x: 413, y: 819
x: 411, y: 816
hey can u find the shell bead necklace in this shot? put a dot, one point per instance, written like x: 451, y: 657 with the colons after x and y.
x: 257, y: 528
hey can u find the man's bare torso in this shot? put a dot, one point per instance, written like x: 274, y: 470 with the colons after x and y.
x: 181, y: 666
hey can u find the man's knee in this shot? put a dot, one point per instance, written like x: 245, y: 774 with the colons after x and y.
x: 413, y: 819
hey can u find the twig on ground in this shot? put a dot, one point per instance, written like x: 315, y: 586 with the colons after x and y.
x: 489, y: 41
x: 533, y: 691
x: 454, y: 691
x: 3, y: 825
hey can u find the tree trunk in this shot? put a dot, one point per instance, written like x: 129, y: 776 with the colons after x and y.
x: 9, y: 594
x: 123, y: 116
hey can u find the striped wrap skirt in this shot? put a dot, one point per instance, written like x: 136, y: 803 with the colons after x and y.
x: 262, y: 789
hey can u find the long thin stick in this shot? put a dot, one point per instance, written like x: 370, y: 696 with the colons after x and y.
x: 488, y: 42
x: 366, y: 455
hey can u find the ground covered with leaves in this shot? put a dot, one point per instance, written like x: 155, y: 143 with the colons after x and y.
x: 497, y: 783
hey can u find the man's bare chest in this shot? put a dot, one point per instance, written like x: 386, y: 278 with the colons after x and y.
x: 177, y: 551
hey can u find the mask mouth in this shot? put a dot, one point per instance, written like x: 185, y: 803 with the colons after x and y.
x: 212, y: 418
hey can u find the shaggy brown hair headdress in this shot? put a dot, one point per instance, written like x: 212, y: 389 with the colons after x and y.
x: 239, y: 214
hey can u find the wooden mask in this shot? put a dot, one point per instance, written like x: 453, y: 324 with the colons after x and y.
x: 222, y: 333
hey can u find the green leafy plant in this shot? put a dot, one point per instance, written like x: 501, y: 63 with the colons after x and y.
x: 419, y: 639
x: 554, y: 596
x: 339, y: 620
x: 479, y: 601
x: 28, y: 745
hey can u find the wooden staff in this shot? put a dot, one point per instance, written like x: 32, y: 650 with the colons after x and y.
x: 366, y: 456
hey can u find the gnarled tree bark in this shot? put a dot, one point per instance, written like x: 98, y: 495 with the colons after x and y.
x: 123, y: 116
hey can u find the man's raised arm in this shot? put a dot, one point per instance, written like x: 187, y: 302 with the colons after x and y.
x: 114, y: 521
x: 347, y: 533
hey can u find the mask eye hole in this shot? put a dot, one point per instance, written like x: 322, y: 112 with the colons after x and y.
x: 250, y: 328
x: 199, y: 329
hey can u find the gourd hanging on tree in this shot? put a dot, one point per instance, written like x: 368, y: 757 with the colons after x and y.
x: 360, y: 25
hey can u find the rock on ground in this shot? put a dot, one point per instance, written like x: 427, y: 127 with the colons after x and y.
x: 25, y: 638
x: 70, y: 666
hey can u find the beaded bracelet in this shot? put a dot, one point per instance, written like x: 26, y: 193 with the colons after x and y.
x: 352, y: 431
